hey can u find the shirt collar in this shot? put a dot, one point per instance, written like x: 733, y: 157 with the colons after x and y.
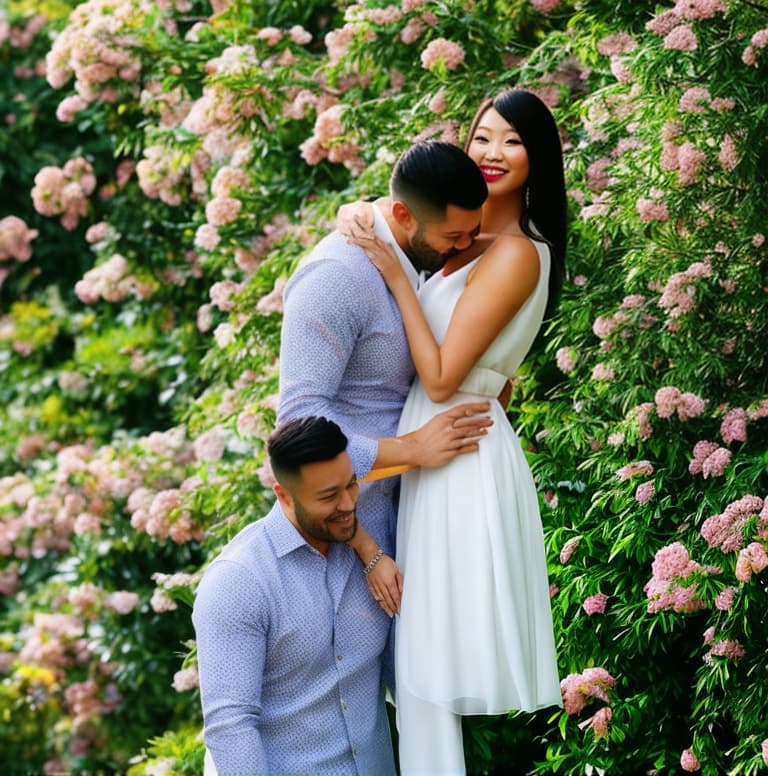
x: 282, y: 532
x: 381, y: 229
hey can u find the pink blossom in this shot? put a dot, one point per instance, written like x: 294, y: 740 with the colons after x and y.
x: 752, y: 560
x: 663, y: 23
x: 545, y: 6
x: 764, y: 750
x: 723, y: 103
x: 272, y: 35
x: 727, y: 648
x: 681, y: 38
x: 716, y: 463
x: 699, y: 9
x: 442, y: 50
x: 618, y: 43
x: 666, y: 400
x: 727, y: 155
x: 632, y: 469
x: 579, y: 689
x: 724, y: 600
x: 734, y: 426
x: 566, y: 359
x: 15, y: 239
x: 186, y: 679
x: 695, y: 100
x: 758, y: 240
x: 162, y: 602
x: 602, y: 371
x: 598, y: 178
x: 595, y: 604
x: 568, y: 549
x: 689, y: 761
x: 690, y: 160
x: 207, y: 237
x: 210, y: 446
x: 438, y: 102
x: 600, y: 721
x: 412, y: 31
x: 748, y: 56
x: 760, y: 39
x: 726, y: 530
x: 122, y: 601
x: 645, y: 492
x: 652, y: 210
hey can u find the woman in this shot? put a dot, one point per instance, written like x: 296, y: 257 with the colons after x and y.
x: 474, y: 634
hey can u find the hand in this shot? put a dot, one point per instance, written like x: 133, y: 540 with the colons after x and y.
x: 450, y: 433
x: 385, y: 582
x: 355, y: 219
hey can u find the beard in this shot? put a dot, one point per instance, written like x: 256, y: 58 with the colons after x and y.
x: 318, y: 528
x: 422, y: 255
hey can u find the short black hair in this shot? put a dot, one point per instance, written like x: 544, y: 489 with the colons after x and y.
x: 301, y: 441
x: 431, y: 175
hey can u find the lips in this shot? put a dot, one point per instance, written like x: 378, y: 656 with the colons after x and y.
x: 492, y: 173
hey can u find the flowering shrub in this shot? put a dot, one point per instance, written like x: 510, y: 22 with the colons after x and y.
x: 174, y: 160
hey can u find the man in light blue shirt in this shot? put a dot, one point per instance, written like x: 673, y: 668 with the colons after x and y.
x: 344, y: 354
x: 289, y: 640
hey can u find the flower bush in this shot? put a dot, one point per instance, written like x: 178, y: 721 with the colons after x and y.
x: 171, y: 162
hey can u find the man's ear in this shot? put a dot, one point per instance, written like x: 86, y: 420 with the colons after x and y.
x: 402, y: 214
x: 283, y: 496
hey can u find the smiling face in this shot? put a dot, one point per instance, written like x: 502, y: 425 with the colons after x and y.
x: 496, y: 148
x: 321, y: 502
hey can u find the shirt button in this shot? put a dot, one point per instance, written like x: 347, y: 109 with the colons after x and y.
x: 354, y: 753
x: 338, y: 657
x: 344, y: 705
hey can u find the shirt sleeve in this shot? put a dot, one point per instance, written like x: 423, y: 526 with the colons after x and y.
x: 231, y: 649
x: 325, y: 312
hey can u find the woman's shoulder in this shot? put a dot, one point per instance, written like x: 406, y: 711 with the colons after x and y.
x: 509, y: 256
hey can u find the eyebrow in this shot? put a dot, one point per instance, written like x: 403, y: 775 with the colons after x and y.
x: 334, y: 488
x: 511, y: 130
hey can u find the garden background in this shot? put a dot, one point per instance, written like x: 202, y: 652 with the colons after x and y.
x: 165, y: 164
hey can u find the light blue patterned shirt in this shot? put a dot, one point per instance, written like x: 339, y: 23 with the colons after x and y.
x: 344, y: 356
x: 289, y: 647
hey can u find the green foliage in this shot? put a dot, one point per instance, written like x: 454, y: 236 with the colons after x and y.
x: 140, y: 364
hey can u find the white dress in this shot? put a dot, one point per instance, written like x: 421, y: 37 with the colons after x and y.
x: 475, y: 630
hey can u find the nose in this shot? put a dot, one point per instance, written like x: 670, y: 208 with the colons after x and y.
x: 493, y: 150
x: 347, y: 501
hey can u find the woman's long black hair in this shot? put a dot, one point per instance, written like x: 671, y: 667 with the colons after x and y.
x: 544, y: 198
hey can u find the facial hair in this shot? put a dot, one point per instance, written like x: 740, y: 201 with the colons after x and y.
x: 422, y: 255
x: 316, y: 529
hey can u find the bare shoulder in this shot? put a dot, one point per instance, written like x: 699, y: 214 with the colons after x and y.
x: 510, y: 259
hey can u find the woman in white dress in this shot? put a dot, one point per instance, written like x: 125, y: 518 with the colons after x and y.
x: 474, y: 634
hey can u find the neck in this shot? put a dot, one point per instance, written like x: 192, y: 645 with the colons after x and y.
x: 384, y: 204
x: 501, y: 215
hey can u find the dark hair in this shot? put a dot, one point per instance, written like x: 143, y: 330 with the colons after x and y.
x: 544, y: 198
x: 301, y: 441
x: 431, y: 175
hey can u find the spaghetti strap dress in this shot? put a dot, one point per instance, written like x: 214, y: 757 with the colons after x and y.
x: 475, y: 629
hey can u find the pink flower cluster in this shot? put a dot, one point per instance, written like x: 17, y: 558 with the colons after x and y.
x: 670, y: 400
x: 633, y: 469
x: 448, y: 52
x: 734, y: 426
x: 64, y: 191
x: 730, y: 649
x: 671, y: 568
x: 545, y: 6
x: 329, y: 141
x: 752, y: 560
x: 652, y: 210
x: 759, y: 41
x: 99, y: 49
x: 566, y: 359
x: 162, y: 174
x: 55, y: 641
x: 595, y: 604
x: 726, y: 530
x: 163, y: 515
x: 728, y: 156
x: 645, y: 492
x: 709, y: 459
x: 619, y: 43
x: 689, y: 762
x: 15, y: 239
x: 186, y: 679
x: 678, y: 296
x: 580, y: 689
x: 88, y: 700
x: 568, y: 549
x: 111, y: 281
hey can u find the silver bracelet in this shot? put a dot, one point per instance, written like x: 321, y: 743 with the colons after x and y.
x: 373, y: 561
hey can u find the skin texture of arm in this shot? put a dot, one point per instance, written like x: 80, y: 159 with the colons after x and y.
x: 505, y: 276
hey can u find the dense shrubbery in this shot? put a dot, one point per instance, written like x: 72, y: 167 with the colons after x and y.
x: 165, y: 165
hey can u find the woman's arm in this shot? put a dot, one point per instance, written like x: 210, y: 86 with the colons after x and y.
x: 503, y: 279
